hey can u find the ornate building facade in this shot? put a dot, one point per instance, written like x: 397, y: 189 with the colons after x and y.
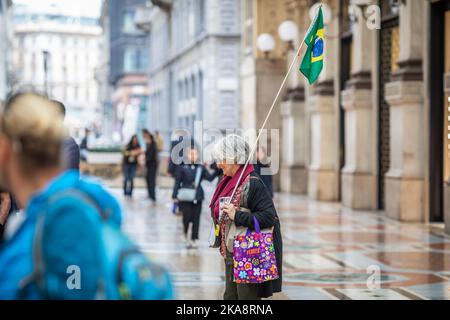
x: 194, y: 64
x: 373, y: 131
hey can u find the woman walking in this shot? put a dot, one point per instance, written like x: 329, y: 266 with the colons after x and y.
x: 151, y: 163
x: 189, y: 176
x: 251, y: 201
x: 130, y: 162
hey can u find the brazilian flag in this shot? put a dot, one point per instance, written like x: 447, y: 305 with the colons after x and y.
x: 312, y: 63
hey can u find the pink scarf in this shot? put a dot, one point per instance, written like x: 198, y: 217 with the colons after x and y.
x: 226, y: 187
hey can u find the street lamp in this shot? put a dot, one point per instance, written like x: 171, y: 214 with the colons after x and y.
x: 46, y: 56
x: 326, y: 10
x: 288, y: 32
x: 265, y: 43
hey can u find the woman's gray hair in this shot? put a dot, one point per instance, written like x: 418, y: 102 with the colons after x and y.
x: 232, y: 149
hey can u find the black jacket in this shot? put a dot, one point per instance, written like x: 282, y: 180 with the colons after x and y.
x: 266, y: 179
x: 261, y: 206
x: 70, y: 154
x: 172, y: 168
x: 185, y: 178
x: 151, y: 155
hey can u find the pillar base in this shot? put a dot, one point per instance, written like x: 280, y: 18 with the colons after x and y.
x: 322, y: 185
x: 358, y: 191
x: 447, y: 208
x: 404, y: 199
x: 294, y: 179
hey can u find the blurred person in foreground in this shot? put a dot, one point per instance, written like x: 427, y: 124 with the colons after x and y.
x: 151, y: 163
x: 70, y: 148
x: 251, y: 200
x: 31, y: 138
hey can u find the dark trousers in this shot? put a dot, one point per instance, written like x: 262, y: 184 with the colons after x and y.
x: 234, y: 291
x: 191, y: 213
x: 129, y: 172
x: 151, y: 181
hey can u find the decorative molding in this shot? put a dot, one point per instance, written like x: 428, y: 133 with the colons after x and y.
x: 360, y: 80
x: 325, y: 88
x: 447, y: 83
x: 409, y: 70
x: 295, y: 94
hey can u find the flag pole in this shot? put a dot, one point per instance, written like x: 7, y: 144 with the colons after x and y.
x: 255, y: 145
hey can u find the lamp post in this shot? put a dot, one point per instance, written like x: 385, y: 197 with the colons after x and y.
x: 46, y: 56
x: 265, y: 43
x: 288, y: 32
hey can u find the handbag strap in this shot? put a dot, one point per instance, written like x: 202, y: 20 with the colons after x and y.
x: 256, y: 225
x: 198, y: 176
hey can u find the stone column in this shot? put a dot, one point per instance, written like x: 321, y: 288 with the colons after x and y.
x: 293, y: 171
x: 405, y: 180
x: 447, y: 183
x: 358, y: 178
x: 294, y: 176
x: 323, y: 175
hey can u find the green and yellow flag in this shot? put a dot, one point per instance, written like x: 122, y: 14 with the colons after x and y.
x: 312, y: 63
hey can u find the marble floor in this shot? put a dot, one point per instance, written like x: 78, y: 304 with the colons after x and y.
x: 329, y: 252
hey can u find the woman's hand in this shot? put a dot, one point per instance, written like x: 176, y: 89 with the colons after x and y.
x: 230, y: 210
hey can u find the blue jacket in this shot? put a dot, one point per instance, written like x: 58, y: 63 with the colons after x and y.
x: 76, y: 227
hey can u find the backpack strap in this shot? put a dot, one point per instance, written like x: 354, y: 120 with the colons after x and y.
x: 38, y: 273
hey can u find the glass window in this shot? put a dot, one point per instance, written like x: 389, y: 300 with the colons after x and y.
x: 129, y: 60
x: 128, y: 25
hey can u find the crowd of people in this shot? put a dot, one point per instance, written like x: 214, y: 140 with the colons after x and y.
x: 51, y: 218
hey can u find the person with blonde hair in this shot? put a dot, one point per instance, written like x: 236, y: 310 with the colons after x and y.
x: 58, y: 218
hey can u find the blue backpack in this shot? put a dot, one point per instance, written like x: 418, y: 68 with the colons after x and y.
x: 128, y: 273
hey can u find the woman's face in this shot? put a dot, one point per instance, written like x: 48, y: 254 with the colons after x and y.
x: 148, y: 138
x: 193, y: 156
x: 229, y: 169
x: 134, y: 142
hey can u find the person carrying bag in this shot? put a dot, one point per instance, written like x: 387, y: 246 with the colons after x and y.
x: 189, y: 194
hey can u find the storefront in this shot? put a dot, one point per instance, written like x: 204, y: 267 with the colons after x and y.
x: 440, y: 112
x: 389, y: 46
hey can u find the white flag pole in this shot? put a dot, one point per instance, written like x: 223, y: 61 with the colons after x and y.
x: 252, y: 152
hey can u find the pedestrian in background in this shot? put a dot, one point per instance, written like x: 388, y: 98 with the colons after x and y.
x: 70, y: 148
x: 190, y: 175
x: 84, y: 145
x: 130, y: 162
x: 261, y: 166
x: 151, y: 163
x: 175, y: 156
x: 159, y: 141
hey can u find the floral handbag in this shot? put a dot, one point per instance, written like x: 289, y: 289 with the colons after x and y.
x: 254, y: 257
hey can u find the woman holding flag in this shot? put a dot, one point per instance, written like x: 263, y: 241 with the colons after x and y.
x: 252, y: 200
x: 248, y: 203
